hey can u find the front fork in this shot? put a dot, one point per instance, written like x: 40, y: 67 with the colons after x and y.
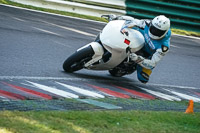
x: 98, y: 53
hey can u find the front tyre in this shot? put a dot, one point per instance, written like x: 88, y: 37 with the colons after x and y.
x: 77, y: 60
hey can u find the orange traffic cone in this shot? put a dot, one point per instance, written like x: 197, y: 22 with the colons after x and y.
x: 190, y: 107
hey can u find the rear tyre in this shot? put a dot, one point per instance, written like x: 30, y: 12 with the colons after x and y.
x: 77, y: 60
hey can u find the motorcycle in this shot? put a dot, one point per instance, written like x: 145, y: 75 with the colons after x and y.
x: 110, y: 51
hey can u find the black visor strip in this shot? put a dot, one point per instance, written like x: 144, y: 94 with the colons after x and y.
x: 156, y: 32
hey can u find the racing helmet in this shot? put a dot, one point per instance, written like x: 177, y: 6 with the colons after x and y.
x: 159, y: 27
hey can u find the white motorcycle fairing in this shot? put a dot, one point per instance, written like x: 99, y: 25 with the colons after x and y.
x: 116, y: 43
x: 112, y: 37
x: 98, y: 53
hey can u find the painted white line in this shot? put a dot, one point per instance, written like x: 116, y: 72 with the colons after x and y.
x: 81, y: 79
x: 54, y: 90
x: 63, y: 44
x: 95, y: 29
x: 52, y: 13
x: 191, y: 37
x: 4, y: 98
x: 37, y: 78
x: 161, y: 95
x: 174, y: 86
x: 46, y: 31
x: 184, y: 96
x: 174, y: 46
x: 29, y: 85
x: 82, y: 91
x: 100, y: 104
x: 71, y: 29
x: 19, y: 19
x: 80, y: 18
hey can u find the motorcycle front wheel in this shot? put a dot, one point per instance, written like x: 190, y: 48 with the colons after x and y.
x: 77, y: 60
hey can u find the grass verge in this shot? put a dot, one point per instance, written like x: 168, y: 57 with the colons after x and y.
x: 174, y: 31
x: 98, y: 122
x: 52, y: 11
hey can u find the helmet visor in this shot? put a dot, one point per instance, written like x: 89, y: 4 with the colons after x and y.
x: 156, y: 32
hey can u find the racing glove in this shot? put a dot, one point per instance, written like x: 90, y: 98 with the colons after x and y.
x: 136, y: 58
x: 110, y: 17
x: 127, y: 24
x: 148, y: 63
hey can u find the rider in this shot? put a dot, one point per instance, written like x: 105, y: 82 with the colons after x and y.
x: 157, y: 35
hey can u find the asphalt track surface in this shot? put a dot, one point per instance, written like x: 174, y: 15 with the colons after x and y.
x: 34, y: 45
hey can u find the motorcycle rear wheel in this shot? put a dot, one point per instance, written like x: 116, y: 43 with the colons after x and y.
x: 77, y: 60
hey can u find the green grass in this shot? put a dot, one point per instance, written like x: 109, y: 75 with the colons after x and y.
x: 98, y: 122
x: 184, y: 32
x: 174, y: 31
x: 52, y: 11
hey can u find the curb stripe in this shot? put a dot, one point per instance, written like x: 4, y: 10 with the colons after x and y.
x: 11, y: 95
x: 3, y: 95
x: 161, y: 95
x: 146, y: 96
x: 100, y: 104
x: 54, y: 90
x: 32, y: 92
x: 82, y: 91
x: 87, y: 20
x: 197, y: 93
x: 85, y: 80
x: 184, y: 96
x: 2, y: 98
x: 110, y: 92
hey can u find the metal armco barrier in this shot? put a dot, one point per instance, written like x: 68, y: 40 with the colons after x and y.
x: 184, y: 14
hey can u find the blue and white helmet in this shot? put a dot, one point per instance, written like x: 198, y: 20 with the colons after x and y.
x: 159, y: 27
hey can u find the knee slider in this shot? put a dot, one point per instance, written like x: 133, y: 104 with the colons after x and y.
x: 143, y: 74
x: 143, y: 77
